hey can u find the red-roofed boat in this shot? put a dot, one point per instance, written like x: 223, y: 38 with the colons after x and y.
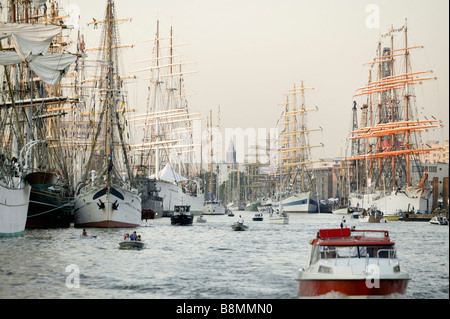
x: 352, y: 263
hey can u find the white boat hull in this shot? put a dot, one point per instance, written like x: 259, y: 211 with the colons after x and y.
x: 13, y: 210
x: 299, y: 203
x: 173, y: 195
x: 213, y: 209
x: 341, y: 211
x: 393, y: 203
x: 120, y: 208
x: 279, y: 220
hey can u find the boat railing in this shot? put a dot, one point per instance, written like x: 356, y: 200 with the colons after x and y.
x: 334, y: 254
x: 390, y: 254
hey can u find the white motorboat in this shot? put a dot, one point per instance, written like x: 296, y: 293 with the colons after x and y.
x: 352, y: 264
x: 213, y: 207
x: 439, y: 220
x: 200, y: 219
x: 280, y: 219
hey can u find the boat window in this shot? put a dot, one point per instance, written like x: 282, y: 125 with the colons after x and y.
x: 327, y: 252
x: 315, y: 254
x: 330, y: 252
x: 381, y: 251
x: 347, y: 251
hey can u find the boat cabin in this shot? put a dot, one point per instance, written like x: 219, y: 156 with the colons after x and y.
x: 182, y: 209
x: 334, y: 244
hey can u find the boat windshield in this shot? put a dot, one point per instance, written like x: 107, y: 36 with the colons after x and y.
x: 332, y: 252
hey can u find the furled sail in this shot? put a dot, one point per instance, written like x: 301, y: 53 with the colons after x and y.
x: 31, y: 43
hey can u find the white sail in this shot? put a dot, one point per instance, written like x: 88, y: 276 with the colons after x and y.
x: 31, y: 43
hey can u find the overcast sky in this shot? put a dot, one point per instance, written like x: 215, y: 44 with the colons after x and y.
x: 249, y: 52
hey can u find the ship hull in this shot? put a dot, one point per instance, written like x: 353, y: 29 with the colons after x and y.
x: 13, y: 210
x: 152, y: 204
x: 352, y: 288
x: 117, y: 207
x: 213, y: 209
x: 173, y: 195
x: 299, y: 203
x: 393, y: 203
x: 48, y: 210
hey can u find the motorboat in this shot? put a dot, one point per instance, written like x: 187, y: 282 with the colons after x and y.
x: 181, y: 215
x: 439, y: 220
x: 131, y: 244
x: 373, y: 215
x: 213, y: 207
x: 352, y: 263
x: 75, y: 236
x: 201, y: 219
x: 258, y: 217
x: 239, y: 227
x: 279, y: 218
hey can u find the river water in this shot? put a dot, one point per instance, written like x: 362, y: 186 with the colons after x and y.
x: 202, y: 261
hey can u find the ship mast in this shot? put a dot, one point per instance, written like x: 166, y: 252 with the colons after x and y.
x: 388, y: 123
x: 294, y: 142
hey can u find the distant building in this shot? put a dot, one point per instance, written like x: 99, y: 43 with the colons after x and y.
x: 438, y: 156
x: 230, y: 156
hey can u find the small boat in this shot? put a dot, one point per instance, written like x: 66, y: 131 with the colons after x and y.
x: 182, y: 215
x: 201, y: 219
x: 239, y: 227
x: 280, y: 219
x: 393, y: 217
x: 439, y: 220
x: 342, y: 211
x: 372, y: 216
x: 353, y: 264
x: 131, y: 244
x: 258, y: 217
x: 84, y: 236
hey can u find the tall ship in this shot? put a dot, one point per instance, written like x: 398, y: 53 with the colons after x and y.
x: 386, y: 167
x: 51, y: 197
x: 170, y: 132
x: 212, y: 205
x: 105, y: 196
x: 31, y: 70
x: 297, y: 191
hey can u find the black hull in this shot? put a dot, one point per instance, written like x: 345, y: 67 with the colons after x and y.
x: 48, y: 209
x: 182, y: 220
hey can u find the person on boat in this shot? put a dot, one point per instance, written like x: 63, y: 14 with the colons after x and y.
x: 133, y: 236
x: 84, y: 233
x: 241, y: 219
x: 138, y: 238
x: 126, y: 237
x: 343, y: 222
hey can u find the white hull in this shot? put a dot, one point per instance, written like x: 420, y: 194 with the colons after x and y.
x: 13, y: 210
x: 213, y: 209
x: 393, y: 203
x: 279, y: 220
x: 120, y: 208
x: 341, y: 211
x: 173, y: 194
x: 299, y: 203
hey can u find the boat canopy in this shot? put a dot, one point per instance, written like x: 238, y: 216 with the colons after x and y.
x: 344, y: 237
